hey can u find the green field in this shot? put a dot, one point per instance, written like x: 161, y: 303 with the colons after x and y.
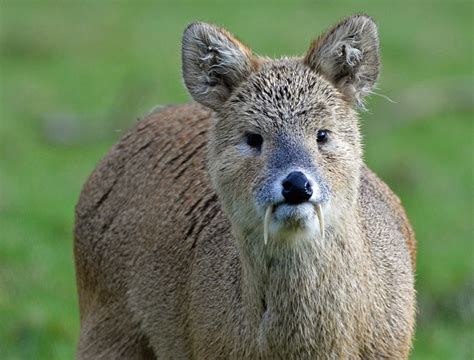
x: 74, y: 75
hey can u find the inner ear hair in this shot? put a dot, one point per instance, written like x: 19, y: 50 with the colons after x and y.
x: 348, y: 56
x: 214, y: 63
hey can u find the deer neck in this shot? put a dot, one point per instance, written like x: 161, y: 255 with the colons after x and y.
x: 305, y: 290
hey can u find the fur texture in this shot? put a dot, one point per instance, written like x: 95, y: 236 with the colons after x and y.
x: 169, y: 248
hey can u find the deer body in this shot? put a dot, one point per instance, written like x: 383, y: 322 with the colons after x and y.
x: 169, y: 248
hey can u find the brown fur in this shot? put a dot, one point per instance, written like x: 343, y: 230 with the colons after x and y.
x: 169, y: 247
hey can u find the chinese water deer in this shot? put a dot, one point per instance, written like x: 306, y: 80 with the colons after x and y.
x: 247, y: 226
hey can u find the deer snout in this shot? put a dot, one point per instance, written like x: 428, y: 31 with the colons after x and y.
x: 296, y: 188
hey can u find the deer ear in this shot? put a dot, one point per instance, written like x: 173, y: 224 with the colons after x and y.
x: 214, y: 63
x: 348, y: 56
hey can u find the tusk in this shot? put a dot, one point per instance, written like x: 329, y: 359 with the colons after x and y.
x: 319, y: 213
x: 266, y: 223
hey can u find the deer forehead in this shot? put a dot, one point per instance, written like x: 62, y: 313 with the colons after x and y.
x: 284, y: 93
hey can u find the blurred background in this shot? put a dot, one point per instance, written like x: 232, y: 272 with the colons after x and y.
x: 74, y: 75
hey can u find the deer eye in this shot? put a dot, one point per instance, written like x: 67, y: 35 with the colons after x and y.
x: 322, y: 136
x: 254, y: 140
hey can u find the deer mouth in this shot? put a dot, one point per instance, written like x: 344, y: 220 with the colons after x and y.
x: 290, y: 215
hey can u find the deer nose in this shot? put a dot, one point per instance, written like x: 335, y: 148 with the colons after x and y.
x: 296, y: 188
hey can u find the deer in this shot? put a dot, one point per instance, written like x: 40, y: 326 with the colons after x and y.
x: 245, y: 224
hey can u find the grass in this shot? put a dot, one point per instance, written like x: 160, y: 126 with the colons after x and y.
x: 75, y: 74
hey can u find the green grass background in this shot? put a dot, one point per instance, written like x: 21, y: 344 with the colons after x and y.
x: 75, y: 74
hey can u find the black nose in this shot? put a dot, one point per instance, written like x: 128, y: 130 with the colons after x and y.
x: 296, y: 188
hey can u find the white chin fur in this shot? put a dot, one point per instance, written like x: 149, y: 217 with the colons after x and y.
x: 294, y: 223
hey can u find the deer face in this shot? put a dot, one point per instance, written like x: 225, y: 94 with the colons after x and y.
x: 285, y: 149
